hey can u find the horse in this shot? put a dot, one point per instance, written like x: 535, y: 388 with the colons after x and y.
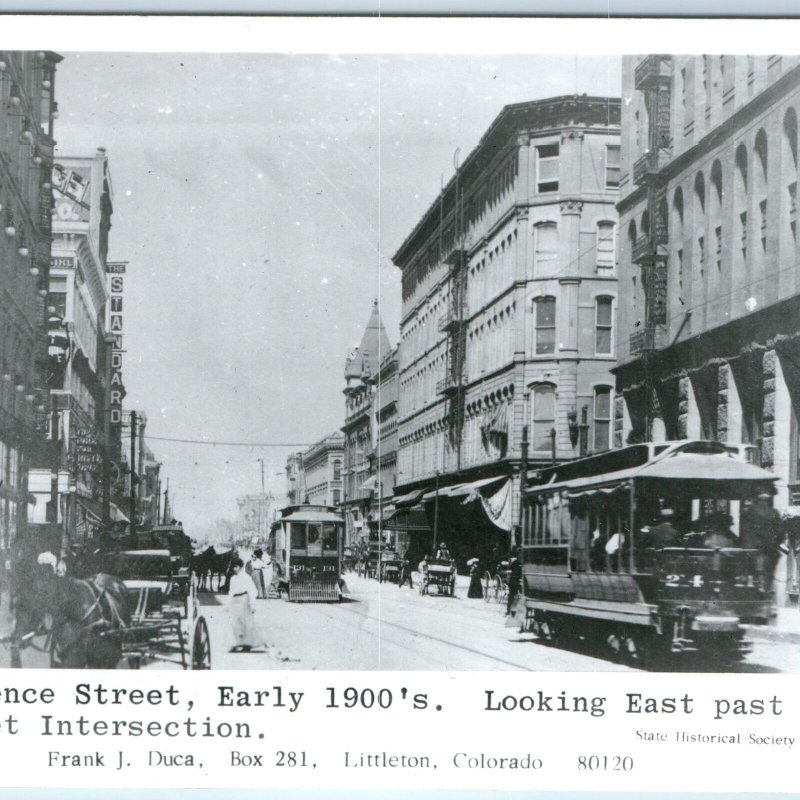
x: 85, y: 615
x: 210, y: 563
x: 201, y: 566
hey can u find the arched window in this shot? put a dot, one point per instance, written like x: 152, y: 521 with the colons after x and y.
x: 602, y: 418
x: 789, y: 169
x: 605, y: 246
x: 790, y: 138
x: 545, y: 252
x: 603, y: 325
x: 699, y: 221
x: 716, y: 212
x: 760, y: 186
x: 544, y: 310
x: 543, y: 417
x: 740, y: 203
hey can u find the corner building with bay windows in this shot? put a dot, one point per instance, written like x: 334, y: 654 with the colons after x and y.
x: 709, y: 335
x: 509, y: 302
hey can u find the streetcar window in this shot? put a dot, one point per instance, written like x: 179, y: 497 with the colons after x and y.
x: 297, y: 532
x: 313, y: 532
x: 328, y: 535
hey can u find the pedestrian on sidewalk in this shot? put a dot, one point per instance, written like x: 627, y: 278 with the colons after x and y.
x: 514, y: 582
x: 241, y: 604
x: 258, y: 566
x: 475, y: 591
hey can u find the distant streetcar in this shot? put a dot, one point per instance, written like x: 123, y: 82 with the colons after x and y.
x: 306, y: 548
x: 596, y: 564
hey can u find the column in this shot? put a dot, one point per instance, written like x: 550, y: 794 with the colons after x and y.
x: 775, y: 448
x: 688, y: 412
x: 729, y: 407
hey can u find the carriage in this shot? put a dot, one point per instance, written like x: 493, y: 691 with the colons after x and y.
x: 595, y: 568
x: 390, y: 566
x: 441, y: 573
x: 163, y: 627
x: 306, y: 547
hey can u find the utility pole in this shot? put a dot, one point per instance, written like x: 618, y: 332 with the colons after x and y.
x: 435, y: 514
x: 133, y: 475
x: 141, y: 486
x: 166, y: 504
x: 523, y: 465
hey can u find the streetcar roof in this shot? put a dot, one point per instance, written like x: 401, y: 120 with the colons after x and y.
x: 718, y: 473
x: 312, y: 516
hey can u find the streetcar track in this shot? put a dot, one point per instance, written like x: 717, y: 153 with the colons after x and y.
x: 354, y: 609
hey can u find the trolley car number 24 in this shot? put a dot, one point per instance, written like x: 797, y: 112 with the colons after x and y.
x: 605, y: 763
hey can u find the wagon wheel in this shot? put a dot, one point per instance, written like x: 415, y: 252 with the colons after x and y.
x: 201, y: 646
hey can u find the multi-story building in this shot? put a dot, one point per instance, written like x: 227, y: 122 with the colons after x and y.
x: 364, y: 486
x: 509, y: 301
x: 315, y: 475
x: 709, y: 331
x: 82, y: 199
x: 27, y: 111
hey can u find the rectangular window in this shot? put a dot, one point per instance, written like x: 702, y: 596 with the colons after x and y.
x: 612, y: 166
x: 545, y: 312
x: 679, y: 260
x: 546, y: 250
x: 603, y: 322
x: 763, y: 209
x: 544, y: 418
x: 718, y: 247
x: 602, y: 418
x: 297, y: 535
x: 547, y: 168
x: 57, y: 295
x: 792, y: 189
x: 683, y: 87
x: 605, y: 247
x: 337, y: 497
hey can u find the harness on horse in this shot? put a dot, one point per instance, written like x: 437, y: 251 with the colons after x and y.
x: 100, y: 591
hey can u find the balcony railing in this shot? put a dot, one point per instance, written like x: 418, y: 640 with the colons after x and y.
x: 449, y: 385
x: 452, y: 319
x: 652, y: 70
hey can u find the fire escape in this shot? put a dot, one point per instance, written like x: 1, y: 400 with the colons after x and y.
x: 653, y: 77
x: 452, y: 386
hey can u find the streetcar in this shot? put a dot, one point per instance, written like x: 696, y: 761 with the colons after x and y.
x: 593, y: 570
x: 306, y: 549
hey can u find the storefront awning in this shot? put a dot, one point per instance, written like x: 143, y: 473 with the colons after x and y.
x: 413, y: 519
x: 463, y: 489
x: 91, y: 507
x: 116, y: 514
x: 407, y: 499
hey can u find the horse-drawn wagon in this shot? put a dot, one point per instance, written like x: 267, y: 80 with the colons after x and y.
x: 164, y: 625
x: 390, y: 566
x: 441, y: 573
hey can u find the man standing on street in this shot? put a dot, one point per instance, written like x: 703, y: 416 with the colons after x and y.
x: 514, y: 581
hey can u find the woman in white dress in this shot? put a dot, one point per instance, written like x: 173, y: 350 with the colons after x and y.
x: 241, y: 603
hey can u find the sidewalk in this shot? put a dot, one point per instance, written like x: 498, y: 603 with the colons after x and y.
x: 786, y: 628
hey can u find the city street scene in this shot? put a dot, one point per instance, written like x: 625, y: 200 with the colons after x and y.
x: 399, y: 362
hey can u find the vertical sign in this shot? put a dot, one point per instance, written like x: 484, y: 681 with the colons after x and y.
x: 115, y: 273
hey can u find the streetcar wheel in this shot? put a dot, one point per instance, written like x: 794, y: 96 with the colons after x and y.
x: 201, y: 646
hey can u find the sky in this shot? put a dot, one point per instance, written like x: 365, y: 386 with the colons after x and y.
x: 258, y: 199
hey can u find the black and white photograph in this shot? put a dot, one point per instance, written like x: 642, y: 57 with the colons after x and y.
x: 460, y: 362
